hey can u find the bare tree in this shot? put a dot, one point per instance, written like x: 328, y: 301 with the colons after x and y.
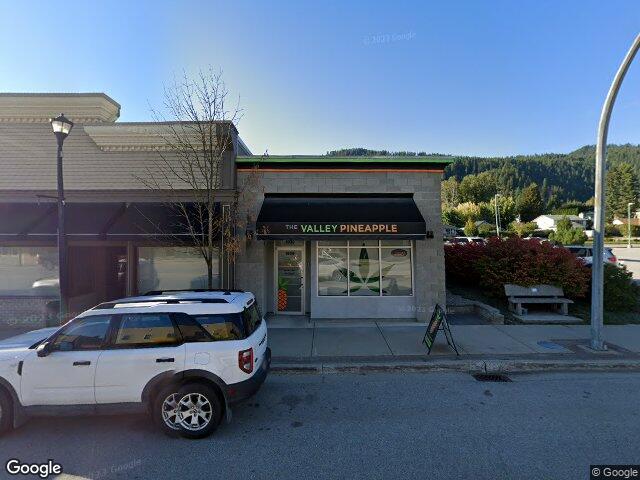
x: 198, y: 132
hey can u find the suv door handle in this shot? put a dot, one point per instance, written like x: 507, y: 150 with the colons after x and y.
x: 81, y: 364
x: 164, y: 360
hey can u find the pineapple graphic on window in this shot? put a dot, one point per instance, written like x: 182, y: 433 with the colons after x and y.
x: 282, y: 294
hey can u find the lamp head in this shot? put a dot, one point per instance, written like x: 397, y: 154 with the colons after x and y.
x: 61, y: 126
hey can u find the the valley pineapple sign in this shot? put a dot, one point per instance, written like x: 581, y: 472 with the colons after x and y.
x: 301, y: 229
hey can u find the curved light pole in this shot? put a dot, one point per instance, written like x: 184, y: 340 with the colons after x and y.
x: 597, y: 268
x: 629, y: 224
x: 495, y: 202
x: 61, y: 127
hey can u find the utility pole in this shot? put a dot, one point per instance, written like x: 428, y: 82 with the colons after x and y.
x: 597, y: 269
x: 629, y: 224
x: 495, y: 204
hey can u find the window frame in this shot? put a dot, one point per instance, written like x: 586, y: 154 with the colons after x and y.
x: 213, y: 340
x: 72, y: 323
x: 246, y: 311
x: 117, y: 323
x: 347, y: 245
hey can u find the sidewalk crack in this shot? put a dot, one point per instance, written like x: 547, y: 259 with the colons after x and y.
x: 385, y: 339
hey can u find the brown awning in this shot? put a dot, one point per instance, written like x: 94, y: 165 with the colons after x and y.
x: 123, y: 221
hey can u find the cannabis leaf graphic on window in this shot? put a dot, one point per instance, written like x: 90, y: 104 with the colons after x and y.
x: 365, y: 277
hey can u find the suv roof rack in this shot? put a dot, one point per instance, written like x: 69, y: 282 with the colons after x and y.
x: 226, y: 291
x: 171, y: 301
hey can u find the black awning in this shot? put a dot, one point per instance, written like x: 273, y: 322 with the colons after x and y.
x: 96, y: 221
x: 316, y: 217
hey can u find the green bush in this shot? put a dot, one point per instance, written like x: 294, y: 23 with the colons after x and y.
x: 452, y: 217
x: 620, y: 292
x: 567, y: 235
x: 523, y: 229
x: 486, y: 230
x: 612, y: 231
x: 470, y: 229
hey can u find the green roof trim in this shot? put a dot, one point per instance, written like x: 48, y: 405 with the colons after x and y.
x: 324, y: 159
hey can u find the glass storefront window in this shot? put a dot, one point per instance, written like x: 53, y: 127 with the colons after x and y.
x: 395, y: 265
x: 364, y: 271
x: 365, y: 268
x: 332, y: 271
x: 29, y: 282
x: 29, y: 271
x: 363, y: 243
x: 167, y: 268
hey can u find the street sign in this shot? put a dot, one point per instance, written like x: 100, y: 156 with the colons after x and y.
x: 438, y: 322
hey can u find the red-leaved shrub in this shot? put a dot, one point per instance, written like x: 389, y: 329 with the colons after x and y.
x: 518, y: 261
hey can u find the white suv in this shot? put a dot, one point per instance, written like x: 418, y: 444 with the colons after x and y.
x: 183, y: 356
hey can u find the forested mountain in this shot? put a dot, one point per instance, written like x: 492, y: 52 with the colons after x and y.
x: 568, y: 176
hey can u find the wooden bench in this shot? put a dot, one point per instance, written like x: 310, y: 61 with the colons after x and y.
x: 537, y: 294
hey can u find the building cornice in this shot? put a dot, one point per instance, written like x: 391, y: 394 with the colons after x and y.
x: 129, y: 138
x: 143, y: 136
x: 41, y: 107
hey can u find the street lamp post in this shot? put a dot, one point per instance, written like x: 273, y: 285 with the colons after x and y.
x: 597, y: 269
x: 61, y: 127
x: 629, y: 224
x: 495, y: 202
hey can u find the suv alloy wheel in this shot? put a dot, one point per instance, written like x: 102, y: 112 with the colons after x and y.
x: 165, y: 413
x: 199, y: 409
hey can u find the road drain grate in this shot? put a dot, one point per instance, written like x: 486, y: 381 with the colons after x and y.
x: 491, y: 377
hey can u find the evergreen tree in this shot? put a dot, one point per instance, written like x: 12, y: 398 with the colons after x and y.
x: 529, y: 203
x: 622, y: 188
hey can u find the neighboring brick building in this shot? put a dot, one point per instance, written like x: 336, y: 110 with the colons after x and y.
x: 384, y: 258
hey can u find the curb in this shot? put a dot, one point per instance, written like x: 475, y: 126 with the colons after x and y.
x: 474, y: 366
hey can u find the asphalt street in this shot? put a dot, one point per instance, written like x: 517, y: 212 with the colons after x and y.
x: 375, y: 426
x: 629, y: 257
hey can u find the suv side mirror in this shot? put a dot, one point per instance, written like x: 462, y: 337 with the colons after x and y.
x: 43, y: 349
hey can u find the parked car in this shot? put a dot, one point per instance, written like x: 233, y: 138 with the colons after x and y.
x: 185, y: 357
x: 585, y: 253
x: 537, y: 239
x: 466, y: 240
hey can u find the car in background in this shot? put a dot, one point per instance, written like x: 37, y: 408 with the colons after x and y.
x: 466, y: 240
x: 537, y: 239
x: 585, y: 253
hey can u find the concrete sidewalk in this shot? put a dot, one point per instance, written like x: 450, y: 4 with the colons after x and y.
x: 391, y: 343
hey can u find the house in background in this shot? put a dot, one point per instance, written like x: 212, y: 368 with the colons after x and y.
x: 618, y: 221
x: 550, y: 222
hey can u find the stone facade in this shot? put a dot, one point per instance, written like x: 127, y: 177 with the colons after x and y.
x: 429, y: 280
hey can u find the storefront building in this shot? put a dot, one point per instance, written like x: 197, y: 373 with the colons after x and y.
x: 351, y: 237
x: 325, y: 237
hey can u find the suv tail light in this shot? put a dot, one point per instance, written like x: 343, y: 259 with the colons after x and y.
x: 245, y: 360
x: 613, y: 259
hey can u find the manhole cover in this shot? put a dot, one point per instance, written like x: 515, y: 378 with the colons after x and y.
x: 491, y: 377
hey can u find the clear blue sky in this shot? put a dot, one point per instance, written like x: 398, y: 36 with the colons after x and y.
x: 460, y: 77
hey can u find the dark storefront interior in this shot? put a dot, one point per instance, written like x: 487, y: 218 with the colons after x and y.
x: 114, y: 250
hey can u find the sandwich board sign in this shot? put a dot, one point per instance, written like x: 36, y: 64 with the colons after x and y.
x: 438, y: 322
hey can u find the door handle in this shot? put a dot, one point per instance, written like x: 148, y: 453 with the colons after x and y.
x: 81, y: 364
x: 164, y: 360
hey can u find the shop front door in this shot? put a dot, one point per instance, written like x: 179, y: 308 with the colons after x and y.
x: 289, y: 280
